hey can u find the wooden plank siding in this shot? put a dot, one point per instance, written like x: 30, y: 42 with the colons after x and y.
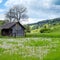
x: 17, y: 30
x: 12, y: 29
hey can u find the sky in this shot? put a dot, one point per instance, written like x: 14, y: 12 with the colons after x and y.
x: 37, y: 9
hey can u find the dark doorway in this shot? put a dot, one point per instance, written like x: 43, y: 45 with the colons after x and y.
x: 6, y: 32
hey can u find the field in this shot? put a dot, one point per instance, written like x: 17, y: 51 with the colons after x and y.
x: 30, y: 48
x: 34, y: 46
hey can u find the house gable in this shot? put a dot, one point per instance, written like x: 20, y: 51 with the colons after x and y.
x: 15, y: 28
x: 18, y: 30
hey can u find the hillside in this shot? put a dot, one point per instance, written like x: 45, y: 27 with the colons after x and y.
x: 56, y: 29
x: 1, y: 22
x: 49, y: 21
x: 54, y: 23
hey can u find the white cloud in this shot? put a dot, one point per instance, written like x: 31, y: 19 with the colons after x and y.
x: 12, y: 2
x: 29, y: 3
x: 0, y: 1
x: 15, y: 2
x: 46, y: 3
x: 2, y: 10
x: 2, y: 16
x: 31, y: 20
x: 38, y: 9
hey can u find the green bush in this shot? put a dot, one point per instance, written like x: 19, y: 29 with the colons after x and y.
x: 44, y: 30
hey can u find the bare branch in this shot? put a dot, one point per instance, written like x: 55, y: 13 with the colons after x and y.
x: 17, y: 12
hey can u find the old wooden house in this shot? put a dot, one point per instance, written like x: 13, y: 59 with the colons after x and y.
x: 12, y: 29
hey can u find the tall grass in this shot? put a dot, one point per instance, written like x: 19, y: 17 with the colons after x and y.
x: 55, y: 35
x: 30, y: 48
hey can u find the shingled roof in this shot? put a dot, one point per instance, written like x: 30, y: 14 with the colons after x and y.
x: 9, y: 25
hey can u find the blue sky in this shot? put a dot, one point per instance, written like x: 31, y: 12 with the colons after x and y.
x: 37, y: 9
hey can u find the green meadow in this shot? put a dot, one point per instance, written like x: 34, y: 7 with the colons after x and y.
x: 30, y: 48
x: 34, y: 46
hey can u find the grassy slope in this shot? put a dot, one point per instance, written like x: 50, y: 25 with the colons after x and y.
x: 56, y: 29
x: 30, y: 49
x: 54, y: 53
x: 55, y: 32
x: 1, y: 22
x: 36, y: 48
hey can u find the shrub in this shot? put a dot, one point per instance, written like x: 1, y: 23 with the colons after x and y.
x: 44, y: 30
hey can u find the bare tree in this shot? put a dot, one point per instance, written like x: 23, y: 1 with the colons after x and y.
x: 16, y: 13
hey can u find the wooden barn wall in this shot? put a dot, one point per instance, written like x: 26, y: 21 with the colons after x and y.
x: 17, y: 30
